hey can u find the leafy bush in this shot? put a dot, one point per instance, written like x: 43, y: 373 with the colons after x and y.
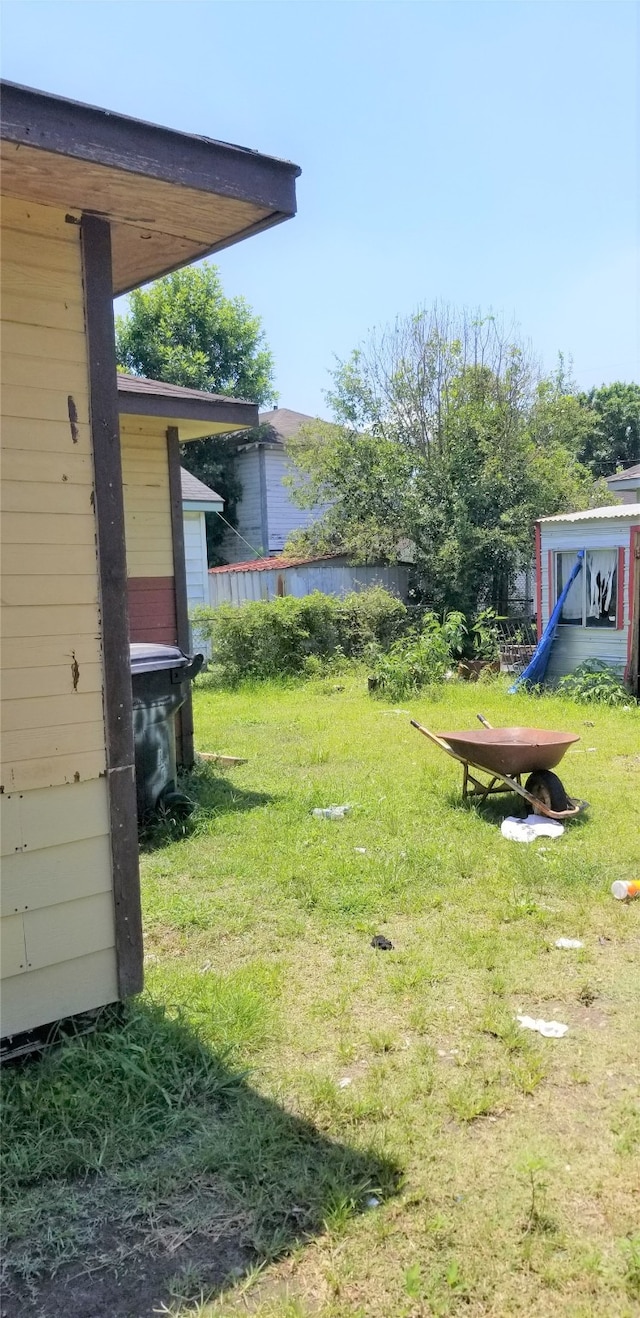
x: 595, y: 683
x: 287, y: 636
x: 417, y: 660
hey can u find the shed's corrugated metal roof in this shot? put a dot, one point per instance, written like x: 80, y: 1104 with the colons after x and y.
x: 588, y: 514
x: 267, y: 564
x: 196, y: 490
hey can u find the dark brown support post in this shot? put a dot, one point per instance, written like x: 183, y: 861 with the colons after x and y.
x: 112, y: 569
x: 184, y: 737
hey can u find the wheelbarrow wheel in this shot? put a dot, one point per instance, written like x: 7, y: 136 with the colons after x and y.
x: 547, y: 788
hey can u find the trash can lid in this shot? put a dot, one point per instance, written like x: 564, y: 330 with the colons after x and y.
x: 147, y: 657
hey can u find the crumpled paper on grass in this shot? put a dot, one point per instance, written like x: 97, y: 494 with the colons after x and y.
x: 550, y: 1029
x: 527, y: 830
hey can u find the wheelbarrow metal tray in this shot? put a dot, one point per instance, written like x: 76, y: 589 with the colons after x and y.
x: 510, y: 750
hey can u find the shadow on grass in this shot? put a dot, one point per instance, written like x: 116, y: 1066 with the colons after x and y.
x: 141, y: 1170
x: 493, y: 810
x: 212, y: 795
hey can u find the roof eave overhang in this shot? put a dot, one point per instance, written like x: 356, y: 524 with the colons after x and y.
x: 203, y: 505
x: 192, y: 416
x: 171, y: 197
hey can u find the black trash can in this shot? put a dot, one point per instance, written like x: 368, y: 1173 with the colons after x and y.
x: 160, y: 676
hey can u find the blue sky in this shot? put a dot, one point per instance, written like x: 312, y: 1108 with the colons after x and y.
x: 481, y: 153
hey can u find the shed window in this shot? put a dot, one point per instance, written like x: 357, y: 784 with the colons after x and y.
x: 592, y: 599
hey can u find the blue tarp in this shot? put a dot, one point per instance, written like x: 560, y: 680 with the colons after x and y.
x: 537, y: 666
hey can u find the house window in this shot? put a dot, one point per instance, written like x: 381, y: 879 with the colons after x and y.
x: 593, y: 596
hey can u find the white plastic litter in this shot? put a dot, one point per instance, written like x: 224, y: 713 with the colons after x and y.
x: 345, y: 1082
x: 527, y: 830
x: 372, y: 1201
x: 362, y: 851
x: 568, y: 943
x: 550, y: 1029
x: 331, y: 812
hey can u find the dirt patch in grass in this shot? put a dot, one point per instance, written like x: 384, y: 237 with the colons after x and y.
x: 130, y: 1277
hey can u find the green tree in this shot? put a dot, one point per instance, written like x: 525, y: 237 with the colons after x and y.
x: 184, y: 330
x: 613, y: 436
x: 447, y: 438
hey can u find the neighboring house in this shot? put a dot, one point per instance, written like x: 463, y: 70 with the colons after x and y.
x: 626, y: 484
x: 269, y: 578
x: 197, y: 500
x: 94, y: 204
x: 266, y: 513
x: 155, y: 418
x: 601, y: 615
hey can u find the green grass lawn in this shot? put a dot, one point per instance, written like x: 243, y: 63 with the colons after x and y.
x: 292, y: 1123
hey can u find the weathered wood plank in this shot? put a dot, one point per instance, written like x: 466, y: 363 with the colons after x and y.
x: 51, y: 771
x: 43, y: 528
x: 20, y: 372
x: 18, y: 278
x: 13, y: 952
x: 41, y: 311
x: 49, y: 560
x: 50, y: 653
x: 44, y: 343
x: 36, y: 683
x: 98, y: 287
x: 43, y: 497
x: 56, y: 933
x: 30, y: 591
x: 60, y: 874
x: 51, y: 711
x: 40, y: 743
x: 47, y: 995
x: 55, y: 252
x: 49, y: 621
x: 70, y: 468
x: 53, y: 816
x: 34, y: 218
x: 48, y: 436
x: 36, y: 404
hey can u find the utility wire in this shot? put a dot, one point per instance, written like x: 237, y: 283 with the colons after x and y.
x: 258, y: 553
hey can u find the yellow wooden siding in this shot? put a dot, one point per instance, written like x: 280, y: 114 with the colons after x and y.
x: 147, y: 503
x: 57, y: 903
x: 41, y: 996
x: 31, y: 880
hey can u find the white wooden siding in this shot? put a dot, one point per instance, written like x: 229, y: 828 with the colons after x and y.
x: 57, y: 904
x: 284, y: 516
x: 575, y: 644
x: 249, y: 511
x: 195, y: 554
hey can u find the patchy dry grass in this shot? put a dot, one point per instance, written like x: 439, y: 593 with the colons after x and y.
x: 399, y: 1147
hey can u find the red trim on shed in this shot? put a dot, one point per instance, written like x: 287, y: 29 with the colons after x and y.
x: 620, y: 590
x: 539, y: 579
x: 634, y: 543
x: 152, y: 610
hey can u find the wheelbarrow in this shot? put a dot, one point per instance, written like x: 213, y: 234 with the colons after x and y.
x: 504, y: 755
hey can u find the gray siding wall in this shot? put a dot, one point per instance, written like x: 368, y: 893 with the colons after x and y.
x: 284, y: 516
x: 249, y: 513
x: 575, y: 644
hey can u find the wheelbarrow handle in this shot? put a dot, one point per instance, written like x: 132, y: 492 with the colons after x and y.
x: 485, y: 722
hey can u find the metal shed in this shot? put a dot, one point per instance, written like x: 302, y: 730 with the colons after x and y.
x: 601, y: 616
x: 269, y: 578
